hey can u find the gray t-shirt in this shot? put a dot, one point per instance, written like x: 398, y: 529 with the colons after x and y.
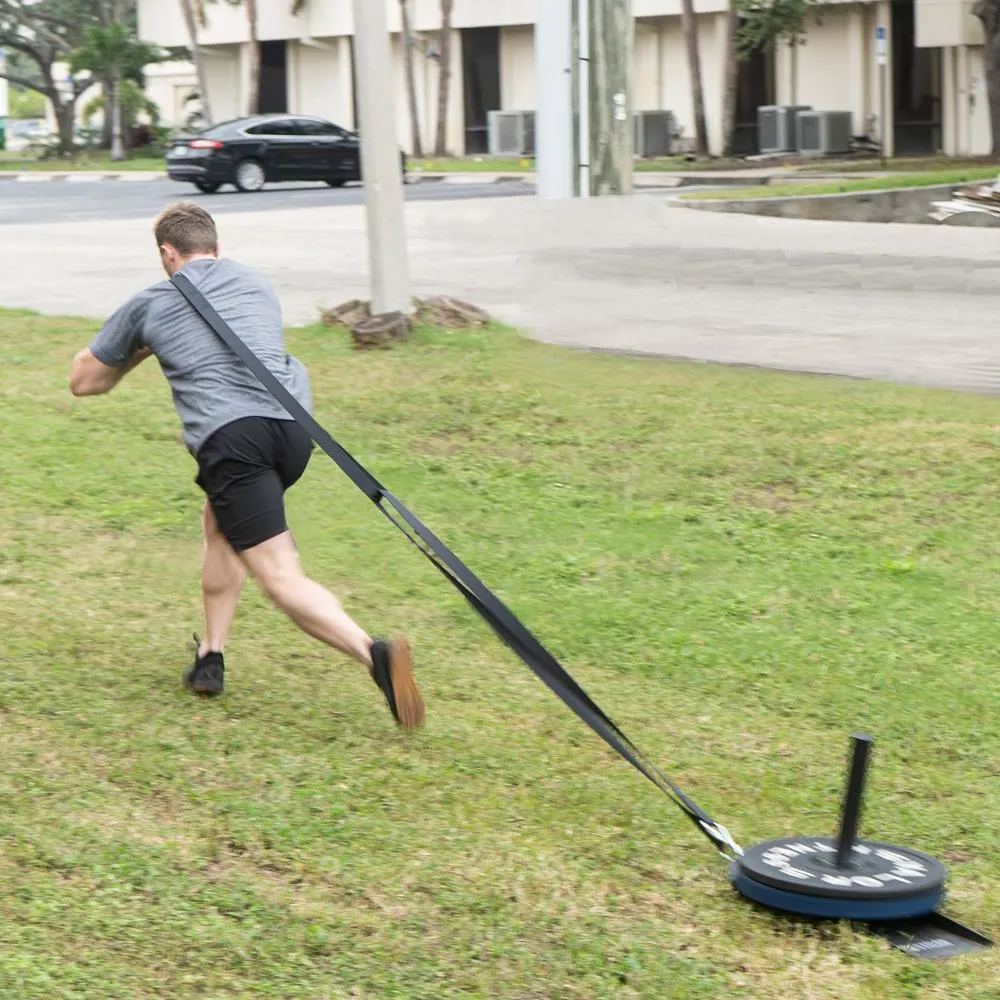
x: 211, y: 386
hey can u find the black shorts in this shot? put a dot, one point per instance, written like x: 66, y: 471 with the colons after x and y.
x: 245, y: 469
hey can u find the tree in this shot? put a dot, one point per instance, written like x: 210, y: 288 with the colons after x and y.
x: 765, y: 23
x: 730, y: 90
x: 253, y: 98
x: 133, y: 102
x: 44, y: 33
x: 113, y: 54
x: 689, y: 25
x: 195, y: 17
x: 411, y: 80
x: 444, y: 86
x: 988, y: 12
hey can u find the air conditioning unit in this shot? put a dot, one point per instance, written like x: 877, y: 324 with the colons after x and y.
x: 512, y: 133
x: 776, y: 126
x: 654, y: 133
x: 823, y: 133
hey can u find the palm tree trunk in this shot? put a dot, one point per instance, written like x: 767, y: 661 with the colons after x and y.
x: 411, y: 80
x: 253, y: 103
x: 187, y: 8
x: 114, y: 103
x: 689, y: 25
x: 732, y: 82
x: 444, y: 90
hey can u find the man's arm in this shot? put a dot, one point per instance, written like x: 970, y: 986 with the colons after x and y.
x: 116, y: 350
x: 90, y: 377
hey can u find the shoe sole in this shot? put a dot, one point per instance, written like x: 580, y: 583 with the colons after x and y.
x: 199, y: 688
x: 409, y: 703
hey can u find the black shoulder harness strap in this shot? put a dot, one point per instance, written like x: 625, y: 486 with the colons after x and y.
x: 500, y: 618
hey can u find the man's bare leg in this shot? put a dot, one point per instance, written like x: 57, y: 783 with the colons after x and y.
x: 275, y: 564
x: 222, y: 578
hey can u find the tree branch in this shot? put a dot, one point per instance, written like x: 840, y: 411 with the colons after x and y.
x: 20, y: 81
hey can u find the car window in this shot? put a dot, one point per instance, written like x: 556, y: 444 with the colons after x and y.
x: 280, y: 126
x: 310, y: 126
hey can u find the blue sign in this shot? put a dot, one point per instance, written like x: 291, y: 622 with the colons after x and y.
x: 880, y: 33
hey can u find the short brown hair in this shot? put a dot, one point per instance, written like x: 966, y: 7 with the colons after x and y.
x: 188, y: 228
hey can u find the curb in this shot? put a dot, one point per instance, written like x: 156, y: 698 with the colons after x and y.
x: 77, y: 176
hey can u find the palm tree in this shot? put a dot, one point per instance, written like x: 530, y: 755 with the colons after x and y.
x: 689, y: 26
x: 194, y: 15
x: 411, y: 81
x: 113, y: 54
x: 441, y: 145
x: 253, y: 101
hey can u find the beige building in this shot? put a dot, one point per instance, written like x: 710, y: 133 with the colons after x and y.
x: 935, y: 87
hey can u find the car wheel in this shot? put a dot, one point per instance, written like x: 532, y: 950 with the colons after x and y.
x: 250, y: 175
x: 338, y: 183
x: 205, y: 187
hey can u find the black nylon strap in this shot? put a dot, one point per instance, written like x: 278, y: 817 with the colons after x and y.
x: 500, y: 618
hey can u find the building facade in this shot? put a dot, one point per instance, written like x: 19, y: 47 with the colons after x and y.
x: 934, y: 87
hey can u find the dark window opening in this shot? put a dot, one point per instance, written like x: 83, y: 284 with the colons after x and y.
x: 481, y: 70
x: 273, y: 78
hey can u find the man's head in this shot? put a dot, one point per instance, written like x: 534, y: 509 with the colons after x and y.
x: 184, y: 232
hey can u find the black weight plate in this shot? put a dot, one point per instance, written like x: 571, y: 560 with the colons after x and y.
x: 808, y: 866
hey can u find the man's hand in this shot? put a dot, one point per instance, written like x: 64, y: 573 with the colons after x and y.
x: 90, y: 377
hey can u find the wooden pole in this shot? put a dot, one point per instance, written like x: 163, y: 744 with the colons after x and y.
x: 610, y: 113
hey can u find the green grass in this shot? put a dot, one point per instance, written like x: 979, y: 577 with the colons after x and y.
x: 742, y: 567
x: 793, y: 190
x: 909, y: 164
x: 489, y: 164
x: 20, y: 161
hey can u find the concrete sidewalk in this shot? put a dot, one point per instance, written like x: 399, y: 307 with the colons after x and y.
x: 904, y: 303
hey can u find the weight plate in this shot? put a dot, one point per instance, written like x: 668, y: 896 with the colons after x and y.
x: 801, y: 874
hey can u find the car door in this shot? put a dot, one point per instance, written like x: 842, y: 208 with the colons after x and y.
x: 285, y: 150
x: 332, y: 155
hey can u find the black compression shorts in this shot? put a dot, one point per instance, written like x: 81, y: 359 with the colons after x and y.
x: 245, y: 469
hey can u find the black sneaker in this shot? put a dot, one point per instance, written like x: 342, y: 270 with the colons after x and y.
x: 392, y: 671
x: 205, y: 675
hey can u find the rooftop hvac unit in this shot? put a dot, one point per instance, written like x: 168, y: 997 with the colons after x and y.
x: 654, y: 133
x: 512, y: 133
x: 822, y: 133
x: 776, y: 127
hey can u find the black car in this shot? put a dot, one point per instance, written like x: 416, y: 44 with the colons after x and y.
x: 250, y: 152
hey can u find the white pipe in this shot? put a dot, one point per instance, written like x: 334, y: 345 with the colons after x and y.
x: 583, y: 39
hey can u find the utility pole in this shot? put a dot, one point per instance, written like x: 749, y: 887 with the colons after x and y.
x: 585, y: 127
x: 611, y: 119
x: 554, y: 125
x: 380, y: 162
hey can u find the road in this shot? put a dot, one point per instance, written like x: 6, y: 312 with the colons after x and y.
x: 910, y: 304
x: 86, y: 199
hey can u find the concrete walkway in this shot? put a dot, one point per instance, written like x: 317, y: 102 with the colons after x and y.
x: 904, y: 303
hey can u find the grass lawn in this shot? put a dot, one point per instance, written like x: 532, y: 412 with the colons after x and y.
x: 15, y: 162
x: 741, y: 567
x: 489, y: 164
x: 912, y: 164
x: 793, y: 190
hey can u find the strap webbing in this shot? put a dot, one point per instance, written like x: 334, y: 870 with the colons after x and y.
x: 500, y: 618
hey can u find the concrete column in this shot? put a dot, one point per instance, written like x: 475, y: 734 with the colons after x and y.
x: 887, y: 128
x: 243, y: 87
x: 345, y: 84
x: 456, y: 96
x: 949, y: 103
x: 293, y: 73
x: 858, y: 69
x: 964, y: 117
